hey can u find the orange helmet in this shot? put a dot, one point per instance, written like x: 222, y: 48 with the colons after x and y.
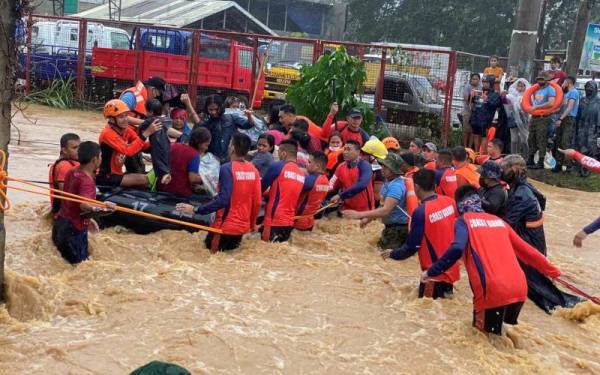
x: 114, y: 107
x: 391, y: 143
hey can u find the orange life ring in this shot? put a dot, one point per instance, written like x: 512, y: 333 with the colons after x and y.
x: 527, y: 104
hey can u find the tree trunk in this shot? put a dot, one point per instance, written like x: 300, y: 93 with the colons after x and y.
x: 8, y: 55
x: 524, y: 38
x: 581, y: 23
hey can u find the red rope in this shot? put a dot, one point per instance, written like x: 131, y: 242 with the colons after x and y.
x: 576, y: 290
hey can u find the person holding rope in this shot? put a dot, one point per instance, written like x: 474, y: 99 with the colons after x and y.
x: 431, y: 233
x: 393, y: 212
x: 491, y: 252
x: 353, y: 177
x: 70, y: 230
x: 238, y: 201
x: 524, y: 213
x: 284, y: 182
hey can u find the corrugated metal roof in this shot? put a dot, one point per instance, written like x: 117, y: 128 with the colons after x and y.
x: 176, y: 13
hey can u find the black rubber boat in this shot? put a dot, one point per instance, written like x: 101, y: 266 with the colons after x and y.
x: 161, y: 204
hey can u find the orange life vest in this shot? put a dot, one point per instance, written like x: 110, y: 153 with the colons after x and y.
x: 468, y: 174
x: 412, y: 202
x: 141, y: 97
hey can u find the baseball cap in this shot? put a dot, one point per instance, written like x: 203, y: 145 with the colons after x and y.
x: 355, y: 112
x: 431, y: 146
x: 491, y: 169
x: 419, y: 142
x: 157, y: 83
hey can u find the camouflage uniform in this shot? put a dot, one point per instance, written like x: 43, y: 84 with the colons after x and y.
x: 393, y: 236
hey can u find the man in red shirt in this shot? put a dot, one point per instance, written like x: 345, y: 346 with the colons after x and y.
x: 119, y: 141
x: 284, y: 181
x: 67, y: 160
x: 491, y: 252
x: 287, y: 117
x: 70, y: 230
x: 353, y: 178
x: 465, y: 172
x: 238, y: 202
x: 430, y: 153
x: 314, y: 192
x: 431, y: 233
x: 349, y: 129
x: 558, y: 75
x: 445, y: 178
x: 185, y: 163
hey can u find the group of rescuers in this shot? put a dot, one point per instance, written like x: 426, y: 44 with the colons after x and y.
x: 435, y: 203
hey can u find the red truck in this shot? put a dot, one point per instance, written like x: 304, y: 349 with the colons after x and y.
x: 223, y: 66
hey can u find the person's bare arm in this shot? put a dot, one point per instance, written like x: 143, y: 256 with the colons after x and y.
x: 134, y: 120
x: 383, y: 211
x: 185, y: 99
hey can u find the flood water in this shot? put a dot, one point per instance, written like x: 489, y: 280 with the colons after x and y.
x: 324, y: 303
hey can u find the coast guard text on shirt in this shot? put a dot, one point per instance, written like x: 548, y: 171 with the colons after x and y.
x: 479, y: 223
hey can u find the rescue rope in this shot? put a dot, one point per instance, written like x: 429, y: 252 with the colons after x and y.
x: 578, y: 291
x: 316, y: 212
x: 59, y: 194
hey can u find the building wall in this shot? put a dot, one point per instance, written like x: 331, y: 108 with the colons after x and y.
x: 45, y: 7
x: 316, y: 18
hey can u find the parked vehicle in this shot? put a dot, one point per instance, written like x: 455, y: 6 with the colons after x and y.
x: 223, y: 66
x: 55, y: 47
x: 410, y: 100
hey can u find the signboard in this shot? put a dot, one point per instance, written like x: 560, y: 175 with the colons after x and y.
x: 590, y: 55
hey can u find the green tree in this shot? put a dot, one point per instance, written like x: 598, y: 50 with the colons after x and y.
x: 313, y: 93
x: 476, y: 26
x: 468, y: 25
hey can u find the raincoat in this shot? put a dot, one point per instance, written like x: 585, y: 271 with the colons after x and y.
x: 587, y: 127
x: 518, y: 120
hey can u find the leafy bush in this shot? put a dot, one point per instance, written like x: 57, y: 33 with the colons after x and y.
x: 59, y: 94
x: 313, y: 93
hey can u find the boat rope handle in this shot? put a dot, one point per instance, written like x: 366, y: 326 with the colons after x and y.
x: 59, y: 194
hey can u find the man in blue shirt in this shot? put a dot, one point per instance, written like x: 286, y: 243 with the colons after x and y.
x: 543, y: 98
x: 566, y: 122
x: 393, y: 211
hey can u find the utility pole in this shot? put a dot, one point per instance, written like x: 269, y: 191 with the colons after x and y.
x: 8, y: 54
x: 539, y: 52
x: 580, y: 28
x: 524, y: 38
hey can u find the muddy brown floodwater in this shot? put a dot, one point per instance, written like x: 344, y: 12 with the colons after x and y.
x: 324, y: 303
